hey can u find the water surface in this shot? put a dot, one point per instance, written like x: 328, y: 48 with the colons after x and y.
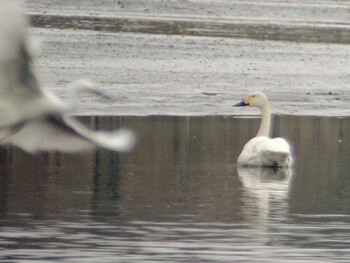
x: 179, y: 197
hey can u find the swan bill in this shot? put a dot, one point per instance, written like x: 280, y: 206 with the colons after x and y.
x: 241, y: 104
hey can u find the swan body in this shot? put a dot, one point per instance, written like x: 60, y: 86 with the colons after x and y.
x: 31, y: 117
x: 262, y: 150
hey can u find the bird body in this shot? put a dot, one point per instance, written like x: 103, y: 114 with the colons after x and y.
x: 263, y: 150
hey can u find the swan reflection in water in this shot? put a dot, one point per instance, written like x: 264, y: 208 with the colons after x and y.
x: 266, y: 193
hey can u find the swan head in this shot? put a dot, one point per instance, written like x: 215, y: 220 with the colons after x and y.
x: 256, y: 99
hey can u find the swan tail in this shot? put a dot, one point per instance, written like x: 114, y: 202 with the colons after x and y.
x: 276, y: 158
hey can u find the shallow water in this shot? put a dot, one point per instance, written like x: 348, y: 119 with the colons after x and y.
x: 179, y: 196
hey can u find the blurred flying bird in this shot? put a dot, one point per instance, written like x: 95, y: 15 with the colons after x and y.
x: 31, y: 117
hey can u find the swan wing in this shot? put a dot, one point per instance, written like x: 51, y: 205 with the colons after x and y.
x: 67, y: 134
x: 250, y: 155
x: 120, y: 140
x: 15, y: 49
x: 276, y: 152
x: 21, y: 96
x: 264, y: 151
x: 275, y: 145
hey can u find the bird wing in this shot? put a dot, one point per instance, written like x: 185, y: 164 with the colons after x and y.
x: 275, y: 145
x: 15, y: 60
x: 264, y: 151
x: 275, y: 152
x: 64, y: 133
x: 120, y: 140
x: 250, y: 155
x: 21, y: 96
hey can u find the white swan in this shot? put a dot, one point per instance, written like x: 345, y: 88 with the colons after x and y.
x: 262, y: 150
x: 31, y: 117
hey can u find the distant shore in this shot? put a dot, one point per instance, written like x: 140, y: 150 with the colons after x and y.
x: 258, y: 30
x: 197, y: 57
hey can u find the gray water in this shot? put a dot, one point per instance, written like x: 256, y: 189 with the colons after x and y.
x: 179, y: 196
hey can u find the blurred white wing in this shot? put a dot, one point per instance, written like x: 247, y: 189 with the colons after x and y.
x: 66, y: 134
x: 21, y: 96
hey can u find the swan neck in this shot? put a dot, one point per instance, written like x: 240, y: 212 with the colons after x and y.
x: 264, y: 129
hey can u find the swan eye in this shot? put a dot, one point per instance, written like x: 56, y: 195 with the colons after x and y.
x: 253, y: 96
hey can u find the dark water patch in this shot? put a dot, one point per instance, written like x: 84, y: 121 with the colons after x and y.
x: 303, y: 32
x: 180, y: 197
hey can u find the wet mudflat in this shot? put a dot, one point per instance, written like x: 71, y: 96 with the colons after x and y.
x: 175, y: 75
x: 196, y: 57
x: 180, y: 197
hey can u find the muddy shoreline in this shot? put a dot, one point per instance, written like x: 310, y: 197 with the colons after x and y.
x: 197, y: 58
x: 298, y: 32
